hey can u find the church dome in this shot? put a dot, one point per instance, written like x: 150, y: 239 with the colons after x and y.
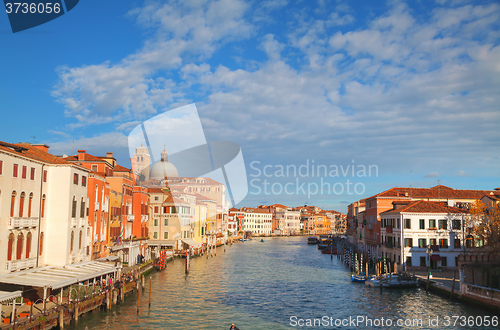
x: 163, y: 168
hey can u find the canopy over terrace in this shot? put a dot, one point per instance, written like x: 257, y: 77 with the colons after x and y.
x: 190, y: 243
x: 56, y: 277
x: 8, y: 296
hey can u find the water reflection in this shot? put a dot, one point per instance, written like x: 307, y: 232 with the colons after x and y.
x: 262, y: 286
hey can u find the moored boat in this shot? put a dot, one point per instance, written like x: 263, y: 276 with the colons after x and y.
x: 312, y: 240
x: 329, y: 251
x: 358, y: 278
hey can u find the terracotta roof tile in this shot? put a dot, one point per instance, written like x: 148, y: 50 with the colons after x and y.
x: 422, y: 206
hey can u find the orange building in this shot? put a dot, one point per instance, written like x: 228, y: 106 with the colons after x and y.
x: 98, y: 196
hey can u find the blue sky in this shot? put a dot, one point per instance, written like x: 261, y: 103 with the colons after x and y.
x: 411, y: 87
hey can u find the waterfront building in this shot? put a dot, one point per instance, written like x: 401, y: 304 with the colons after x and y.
x: 43, y: 208
x: 383, y: 201
x: 98, y: 200
x: 290, y: 220
x: 410, y: 227
x: 257, y: 221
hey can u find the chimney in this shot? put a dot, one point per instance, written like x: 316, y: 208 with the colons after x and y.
x: 109, y: 154
x: 81, y: 154
x: 43, y: 147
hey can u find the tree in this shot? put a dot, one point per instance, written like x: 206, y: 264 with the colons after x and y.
x: 486, y: 224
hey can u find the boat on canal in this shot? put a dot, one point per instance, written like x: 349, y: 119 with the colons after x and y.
x: 360, y: 278
x: 312, y: 240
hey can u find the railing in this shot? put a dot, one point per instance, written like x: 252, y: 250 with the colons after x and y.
x: 389, y: 245
x: 23, y: 222
x: 145, y: 218
x: 96, y: 206
x: 388, y: 230
x: 74, y: 222
x: 96, y: 237
x: 130, y: 217
x: 14, y: 265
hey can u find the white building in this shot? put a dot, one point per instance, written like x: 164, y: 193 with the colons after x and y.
x: 258, y: 221
x: 412, y: 226
x: 290, y: 220
x: 43, y: 209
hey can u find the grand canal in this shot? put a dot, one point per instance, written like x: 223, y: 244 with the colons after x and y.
x: 272, y: 285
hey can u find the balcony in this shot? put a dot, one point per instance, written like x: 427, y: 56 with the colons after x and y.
x: 144, y: 218
x: 96, y: 237
x: 14, y: 265
x: 74, y: 222
x: 22, y: 222
x: 389, y: 244
x: 96, y: 206
x: 130, y: 217
x: 388, y: 230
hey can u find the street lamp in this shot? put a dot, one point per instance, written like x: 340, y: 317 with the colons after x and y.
x: 429, y: 254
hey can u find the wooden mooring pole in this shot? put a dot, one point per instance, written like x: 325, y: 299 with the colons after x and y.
x: 453, y: 285
x: 150, y: 288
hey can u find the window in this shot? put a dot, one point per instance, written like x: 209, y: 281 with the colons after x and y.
x: 32, y: 174
x: 41, y: 243
x: 21, y: 204
x: 456, y: 261
x: 28, y: 245
x: 444, y: 262
x: 75, y: 178
x: 155, y: 235
x: 80, y: 241
x: 156, y: 209
x: 422, y: 262
x: 155, y: 222
x: 457, y: 225
x: 157, y: 198
x: 72, y: 241
x: 29, y: 204
x: 94, y: 168
x: 469, y: 242
x: 73, y: 208
x: 433, y: 241
x: 1, y: 166
x: 13, y: 203
x: 20, y: 243
x: 422, y: 243
x: 407, y: 223
x: 165, y: 222
x: 422, y: 224
x: 43, y: 206
x: 457, y: 244
x: 24, y: 172
x: 84, y: 181
x: 14, y: 170
x: 443, y: 243
x: 82, y: 209
x: 10, y: 247
x: 432, y: 224
x: 165, y: 235
x: 44, y: 176
x: 408, y: 242
x: 408, y: 261
x: 443, y: 224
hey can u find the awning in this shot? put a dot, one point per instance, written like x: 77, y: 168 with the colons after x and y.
x: 160, y: 242
x: 109, y: 258
x: 436, y: 257
x: 8, y: 296
x: 56, y: 277
x: 190, y: 242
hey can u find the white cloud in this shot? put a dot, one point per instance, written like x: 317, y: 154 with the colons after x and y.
x: 433, y: 175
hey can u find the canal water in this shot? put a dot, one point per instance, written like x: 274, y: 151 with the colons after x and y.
x: 281, y: 283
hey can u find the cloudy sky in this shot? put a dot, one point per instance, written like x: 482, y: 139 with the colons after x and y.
x: 412, y: 88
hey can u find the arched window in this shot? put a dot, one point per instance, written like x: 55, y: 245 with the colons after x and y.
x: 29, y: 204
x: 10, y: 246
x: 72, y: 241
x: 82, y: 209
x: 28, y: 245
x: 43, y: 206
x: 13, y: 203
x: 80, y: 241
x: 73, y: 208
x: 41, y: 244
x: 20, y: 243
x: 96, y: 193
x: 21, y: 204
